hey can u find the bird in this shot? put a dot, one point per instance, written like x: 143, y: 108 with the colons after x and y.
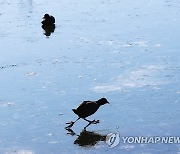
x: 86, y: 109
x: 48, y: 20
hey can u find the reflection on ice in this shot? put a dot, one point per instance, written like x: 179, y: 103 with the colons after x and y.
x: 48, y: 29
x: 127, y: 147
x: 106, y: 88
x: 6, y: 104
x: 87, y: 138
x: 144, y: 76
x: 20, y: 151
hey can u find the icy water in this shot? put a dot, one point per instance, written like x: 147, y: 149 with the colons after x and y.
x: 127, y: 51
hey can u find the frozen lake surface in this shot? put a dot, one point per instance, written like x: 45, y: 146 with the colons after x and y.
x: 127, y: 51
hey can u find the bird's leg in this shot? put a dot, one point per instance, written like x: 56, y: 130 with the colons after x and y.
x: 87, y: 125
x: 88, y: 120
x: 93, y: 121
x: 71, y: 123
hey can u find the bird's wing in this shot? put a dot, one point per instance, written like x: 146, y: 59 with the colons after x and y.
x: 86, y: 104
x: 87, y: 108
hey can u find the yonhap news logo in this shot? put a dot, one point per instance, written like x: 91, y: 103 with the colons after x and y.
x: 113, y: 139
x: 151, y: 139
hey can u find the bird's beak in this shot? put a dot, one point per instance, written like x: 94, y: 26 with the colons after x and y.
x: 108, y: 102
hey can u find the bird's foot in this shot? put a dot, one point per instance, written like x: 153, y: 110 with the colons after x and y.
x: 70, y: 131
x: 70, y: 124
x: 95, y: 121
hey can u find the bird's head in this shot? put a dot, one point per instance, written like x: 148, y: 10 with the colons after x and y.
x: 46, y: 16
x: 102, y: 101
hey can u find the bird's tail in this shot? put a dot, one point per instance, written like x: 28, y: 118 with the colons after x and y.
x: 75, y: 111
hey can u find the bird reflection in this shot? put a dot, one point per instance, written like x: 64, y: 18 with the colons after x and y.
x: 48, y: 29
x: 87, y: 138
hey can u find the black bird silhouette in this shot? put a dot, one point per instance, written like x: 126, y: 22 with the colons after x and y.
x: 87, y: 108
x: 48, y: 24
x: 48, y: 20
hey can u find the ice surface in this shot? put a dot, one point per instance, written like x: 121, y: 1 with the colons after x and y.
x: 124, y: 50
